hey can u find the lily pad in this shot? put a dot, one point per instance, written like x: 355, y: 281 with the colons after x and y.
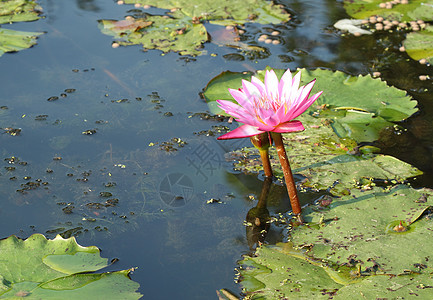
x: 224, y: 12
x: 348, y: 250
x: 419, y: 45
x: 367, y: 104
x: 359, y: 229
x: 358, y: 125
x: 155, y: 32
x: 19, y: 11
x: 12, y: 40
x: 414, y: 10
x: 38, y: 268
x: 404, y: 286
x: 280, y: 271
x: 182, y: 30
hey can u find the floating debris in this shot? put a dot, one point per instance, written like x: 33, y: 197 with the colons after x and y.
x: 351, y: 26
x: 53, y: 98
x: 89, y: 132
x: 400, y: 228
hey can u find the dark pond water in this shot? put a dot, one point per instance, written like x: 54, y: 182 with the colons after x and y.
x: 146, y: 114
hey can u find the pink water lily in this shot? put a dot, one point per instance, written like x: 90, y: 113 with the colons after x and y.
x: 271, y: 106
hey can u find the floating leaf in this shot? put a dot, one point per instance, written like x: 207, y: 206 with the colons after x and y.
x: 18, y: 11
x: 155, y: 32
x: 224, y: 12
x: 358, y: 125
x: 359, y: 229
x: 182, y: 30
x: 362, y: 93
x: 404, y: 286
x: 11, y: 40
x: 414, y: 10
x: 419, y: 45
x: 348, y: 249
x: 340, y: 91
x: 218, y: 88
x: 280, y: 271
x: 38, y: 268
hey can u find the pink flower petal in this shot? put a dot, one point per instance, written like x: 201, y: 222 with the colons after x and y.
x: 270, y: 105
x: 307, y: 90
x: 231, y: 107
x: 282, y: 113
x: 241, y: 132
x: 285, y: 83
x: 295, y: 86
x: 291, y: 126
x: 259, y: 84
x: 305, y: 105
x: 242, y: 99
x: 271, y: 84
x: 271, y: 120
x: 251, y: 90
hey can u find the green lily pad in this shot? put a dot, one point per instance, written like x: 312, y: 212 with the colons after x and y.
x: 405, y: 286
x: 347, y: 249
x: 19, y: 11
x: 280, y: 271
x: 414, y: 10
x: 12, y: 40
x: 360, y: 229
x: 155, y: 32
x: 359, y: 125
x: 182, y: 30
x: 224, y: 12
x: 38, y: 268
x: 218, y: 89
x: 361, y: 93
x: 419, y: 45
x: 359, y: 107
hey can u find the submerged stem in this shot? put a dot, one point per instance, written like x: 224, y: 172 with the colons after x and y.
x: 288, y: 176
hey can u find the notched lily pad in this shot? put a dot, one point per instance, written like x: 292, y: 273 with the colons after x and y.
x: 38, y: 268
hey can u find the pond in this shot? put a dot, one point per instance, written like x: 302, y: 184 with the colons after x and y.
x: 117, y: 146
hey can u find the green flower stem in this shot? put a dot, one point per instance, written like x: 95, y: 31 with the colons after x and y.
x: 262, y: 142
x: 264, y: 155
x: 288, y: 176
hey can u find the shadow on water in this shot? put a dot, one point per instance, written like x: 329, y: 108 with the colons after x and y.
x: 88, y: 5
